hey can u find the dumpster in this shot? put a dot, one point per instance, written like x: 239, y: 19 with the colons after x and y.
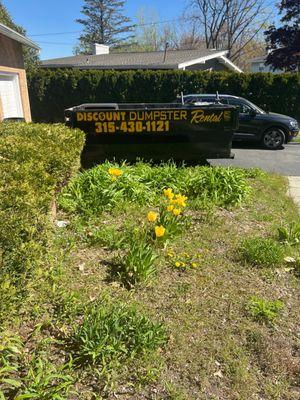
x: 154, y: 131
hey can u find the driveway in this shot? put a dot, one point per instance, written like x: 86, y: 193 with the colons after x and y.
x: 285, y: 161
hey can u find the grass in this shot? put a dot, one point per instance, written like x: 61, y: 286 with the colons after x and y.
x: 184, y: 334
x: 261, y: 252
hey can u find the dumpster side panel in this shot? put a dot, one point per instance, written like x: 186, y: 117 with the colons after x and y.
x: 186, y: 133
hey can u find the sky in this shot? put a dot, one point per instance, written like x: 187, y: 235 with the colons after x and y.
x: 56, y: 16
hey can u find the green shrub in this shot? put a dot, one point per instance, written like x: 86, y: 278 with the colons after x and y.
x: 264, y: 310
x: 93, y: 191
x: 36, y: 160
x: 52, y: 91
x: 261, y: 252
x: 113, y: 333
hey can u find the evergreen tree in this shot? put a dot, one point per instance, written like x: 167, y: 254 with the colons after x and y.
x: 31, y: 56
x: 105, y: 23
x: 284, y: 42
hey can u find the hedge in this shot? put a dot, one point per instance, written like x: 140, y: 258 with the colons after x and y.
x: 35, y: 161
x: 52, y: 91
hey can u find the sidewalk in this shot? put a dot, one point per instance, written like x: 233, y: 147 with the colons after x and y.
x: 294, y: 189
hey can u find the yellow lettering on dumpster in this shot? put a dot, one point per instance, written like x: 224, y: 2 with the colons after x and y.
x: 79, y: 116
x: 199, y: 116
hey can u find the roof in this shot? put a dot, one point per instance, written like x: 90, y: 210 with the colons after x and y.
x: 175, y: 59
x: 258, y: 59
x: 12, y: 34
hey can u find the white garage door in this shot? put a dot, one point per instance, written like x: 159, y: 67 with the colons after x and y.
x: 10, y: 96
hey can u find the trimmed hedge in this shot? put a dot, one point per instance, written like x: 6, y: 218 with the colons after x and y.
x: 52, y: 91
x: 35, y: 161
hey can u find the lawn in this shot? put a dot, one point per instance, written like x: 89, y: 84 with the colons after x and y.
x: 136, y: 300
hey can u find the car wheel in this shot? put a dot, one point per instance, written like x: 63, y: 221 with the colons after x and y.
x: 273, y: 139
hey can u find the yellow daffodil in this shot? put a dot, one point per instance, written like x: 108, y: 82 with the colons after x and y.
x: 152, y: 216
x: 176, y: 211
x: 159, y: 231
x: 169, y: 193
x: 194, y: 265
x: 115, y: 172
x: 180, y: 200
x: 170, y: 254
x: 170, y: 208
x: 177, y: 264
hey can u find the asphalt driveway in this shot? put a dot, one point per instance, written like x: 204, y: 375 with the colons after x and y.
x: 285, y: 161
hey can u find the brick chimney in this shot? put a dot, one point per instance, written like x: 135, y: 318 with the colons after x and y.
x: 100, y: 49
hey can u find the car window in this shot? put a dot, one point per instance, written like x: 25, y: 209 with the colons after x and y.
x: 243, y: 108
x: 211, y: 99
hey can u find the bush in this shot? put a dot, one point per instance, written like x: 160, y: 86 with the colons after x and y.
x: 262, y: 252
x: 94, y: 190
x: 52, y: 91
x: 112, y: 333
x: 36, y: 160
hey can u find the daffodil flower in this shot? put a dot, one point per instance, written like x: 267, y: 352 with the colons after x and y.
x: 152, y: 216
x: 159, y: 231
x: 176, y: 211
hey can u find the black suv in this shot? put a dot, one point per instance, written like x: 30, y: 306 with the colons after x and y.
x: 270, y: 129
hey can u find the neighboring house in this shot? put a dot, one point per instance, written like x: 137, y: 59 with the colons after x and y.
x: 14, y: 100
x: 212, y: 60
x: 258, y: 65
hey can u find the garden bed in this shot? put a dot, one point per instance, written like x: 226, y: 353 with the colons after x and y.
x: 164, y: 283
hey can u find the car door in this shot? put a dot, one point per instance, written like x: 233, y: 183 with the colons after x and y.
x: 248, y: 121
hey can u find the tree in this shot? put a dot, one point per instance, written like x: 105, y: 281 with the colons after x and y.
x: 284, y: 42
x: 229, y: 24
x: 31, y: 56
x: 105, y: 23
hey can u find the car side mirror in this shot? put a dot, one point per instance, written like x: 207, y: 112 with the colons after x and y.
x: 252, y: 113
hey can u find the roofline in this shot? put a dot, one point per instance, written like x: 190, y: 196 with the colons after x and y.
x: 201, y: 60
x: 220, y: 55
x: 230, y: 64
x: 12, y: 34
x: 112, y: 67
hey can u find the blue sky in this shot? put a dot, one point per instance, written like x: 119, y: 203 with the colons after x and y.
x: 49, y: 16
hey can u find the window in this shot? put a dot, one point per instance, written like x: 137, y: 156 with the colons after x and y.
x: 243, y: 107
x: 10, y: 96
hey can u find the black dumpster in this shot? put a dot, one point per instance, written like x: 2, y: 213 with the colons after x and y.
x: 154, y: 131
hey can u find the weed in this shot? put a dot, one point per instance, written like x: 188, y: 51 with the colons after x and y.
x: 44, y: 381
x: 11, y: 347
x: 261, y: 252
x: 107, y: 236
x: 263, y: 310
x: 290, y: 234
x: 138, y: 264
x: 110, y: 334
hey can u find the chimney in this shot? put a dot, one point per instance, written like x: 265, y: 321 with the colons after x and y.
x: 100, y: 49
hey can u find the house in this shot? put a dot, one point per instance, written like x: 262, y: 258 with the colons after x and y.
x: 14, y: 100
x: 203, y: 59
x: 258, y: 65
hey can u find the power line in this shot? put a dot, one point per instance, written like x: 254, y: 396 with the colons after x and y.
x: 135, y: 25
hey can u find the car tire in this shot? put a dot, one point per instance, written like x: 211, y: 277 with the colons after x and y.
x: 273, y: 139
